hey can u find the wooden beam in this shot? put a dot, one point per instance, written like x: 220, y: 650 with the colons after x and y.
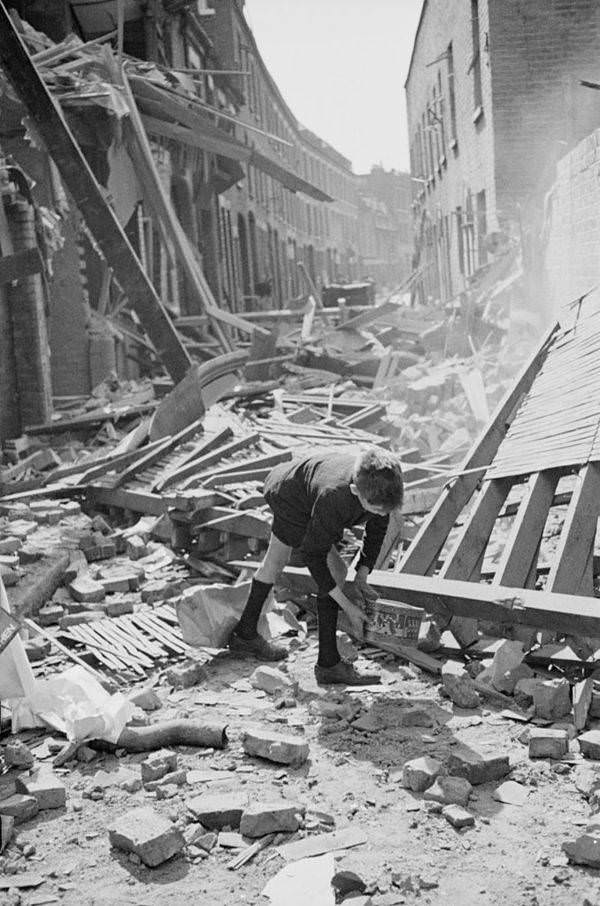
x: 571, y: 570
x: 203, y: 462
x: 566, y: 613
x: 466, y: 557
x: 518, y: 563
x: 421, y: 556
x: 89, y: 197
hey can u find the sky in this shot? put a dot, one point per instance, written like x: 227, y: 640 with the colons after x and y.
x: 341, y: 67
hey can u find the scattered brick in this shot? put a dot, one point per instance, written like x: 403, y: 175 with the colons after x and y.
x: 20, y: 806
x: 420, y: 773
x: 552, y: 699
x: 87, y: 590
x: 458, y: 816
x: 589, y: 743
x: 157, y: 764
x: 547, y: 743
x: 216, y: 811
x: 261, y: 819
x: 449, y: 791
x: 147, y: 834
x: 459, y: 686
x: 46, y: 788
x: 477, y: 767
x: 281, y: 749
x: 185, y: 675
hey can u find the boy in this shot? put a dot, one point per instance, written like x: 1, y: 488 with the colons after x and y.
x: 313, y: 500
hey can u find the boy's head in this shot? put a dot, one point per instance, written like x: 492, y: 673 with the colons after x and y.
x: 378, y: 481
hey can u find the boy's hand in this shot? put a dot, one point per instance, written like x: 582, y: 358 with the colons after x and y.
x: 351, y: 609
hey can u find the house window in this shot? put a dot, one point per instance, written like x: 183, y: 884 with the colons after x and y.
x: 451, y: 92
x: 476, y: 61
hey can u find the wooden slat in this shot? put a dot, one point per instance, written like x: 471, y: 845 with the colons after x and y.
x: 163, y: 447
x: 205, y: 451
x: 571, y: 571
x: 518, y: 562
x: 468, y: 552
x: 421, y: 556
x: 203, y: 463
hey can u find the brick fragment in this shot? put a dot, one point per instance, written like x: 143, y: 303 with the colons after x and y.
x: 157, y: 764
x: 477, y: 767
x: 281, y: 749
x: 552, y: 699
x: 216, y: 811
x: 457, y: 816
x: 20, y: 806
x: 449, y: 791
x: 86, y: 590
x: 147, y: 834
x: 548, y: 743
x: 49, y: 791
x: 419, y: 774
x: 264, y: 818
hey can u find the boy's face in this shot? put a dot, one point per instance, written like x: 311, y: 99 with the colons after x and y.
x: 367, y: 505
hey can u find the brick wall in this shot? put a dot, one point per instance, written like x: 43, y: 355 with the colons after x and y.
x: 463, y: 147
x: 539, y: 49
x: 572, y: 255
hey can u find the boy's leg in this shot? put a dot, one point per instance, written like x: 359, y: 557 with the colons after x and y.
x: 245, y: 638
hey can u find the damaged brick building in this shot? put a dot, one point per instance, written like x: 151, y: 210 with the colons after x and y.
x: 494, y: 101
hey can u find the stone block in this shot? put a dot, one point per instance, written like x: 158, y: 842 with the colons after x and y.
x: 547, y: 743
x: 216, y: 811
x: 10, y: 545
x: 458, y: 816
x: 46, y: 787
x: 86, y: 590
x: 582, y: 699
x: 185, y: 675
x: 589, y: 743
x: 585, y: 850
x: 476, y: 767
x: 17, y: 755
x: 264, y: 818
x: 173, y: 778
x: 282, y: 749
x: 552, y: 699
x: 420, y: 773
x: 507, y: 657
x: 118, y: 606
x: 449, y: 791
x: 464, y: 630
x: 157, y: 764
x: 20, y: 806
x: 523, y: 691
x: 270, y: 679
x: 135, y: 547
x: 459, y: 686
x: 147, y: 834
x: 49, y: 614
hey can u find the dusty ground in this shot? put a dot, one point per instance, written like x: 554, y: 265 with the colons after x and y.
x: 512, y: 855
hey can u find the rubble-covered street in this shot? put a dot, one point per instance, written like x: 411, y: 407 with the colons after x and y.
x: 221, y: 341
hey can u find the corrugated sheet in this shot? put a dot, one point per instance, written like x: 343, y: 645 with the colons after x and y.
x: 558, y: 423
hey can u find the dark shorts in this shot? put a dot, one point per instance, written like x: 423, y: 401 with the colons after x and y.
x: 289, y: 523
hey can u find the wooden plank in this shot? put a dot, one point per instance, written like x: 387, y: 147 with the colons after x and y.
x: 571, y: 570
x: 37, y: 630
x: 235, y: 478
x: 424, y: 550
x: 203, y: 463
x: 161, y: 448
x: 243, y: 467
x: 201, y: 450
x: 570, y: 614
x: 518, y: 562
x: 19, y: 265
x: 90, y: 198
x: 244, y: 524
x: 472, y: 540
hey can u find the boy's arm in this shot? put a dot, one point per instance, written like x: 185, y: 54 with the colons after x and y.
x: 375, y: 531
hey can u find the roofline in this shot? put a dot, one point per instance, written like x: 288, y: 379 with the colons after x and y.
x: 412, y: 56
x: 299, y: 129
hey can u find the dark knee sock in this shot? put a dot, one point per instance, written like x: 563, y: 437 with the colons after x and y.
x: 259, y: 592
x: 327, y: 615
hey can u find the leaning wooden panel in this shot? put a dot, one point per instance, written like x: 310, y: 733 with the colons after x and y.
x: 421, y: 556
x: 519, y: 558
x: 467, y: 555
x: 571, y: 570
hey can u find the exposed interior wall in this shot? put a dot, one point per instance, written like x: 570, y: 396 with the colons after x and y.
x: 572, y: 255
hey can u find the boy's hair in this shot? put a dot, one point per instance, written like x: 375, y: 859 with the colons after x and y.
x: 378, y: 477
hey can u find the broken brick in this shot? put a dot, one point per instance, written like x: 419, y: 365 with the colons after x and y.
x: 20, y: 806
x: 147, y: 834
x: 589, y: 743
x: 420, y: 773
x: 477, y: 767
x: 216, y: 811
x: 264, y: 818
x: 281, y: 749
x: 185, y: 675
x: 46, y: 787
x: 49, y: 614
x: 459, y: 686
x: 86, y: 590
x: 135, y: 547
x: 547, y: 743
x: 449, y: 791
x: 157, y: 764
x: 458, y: 816
x: 552, y: 699
x: 270, y: 679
